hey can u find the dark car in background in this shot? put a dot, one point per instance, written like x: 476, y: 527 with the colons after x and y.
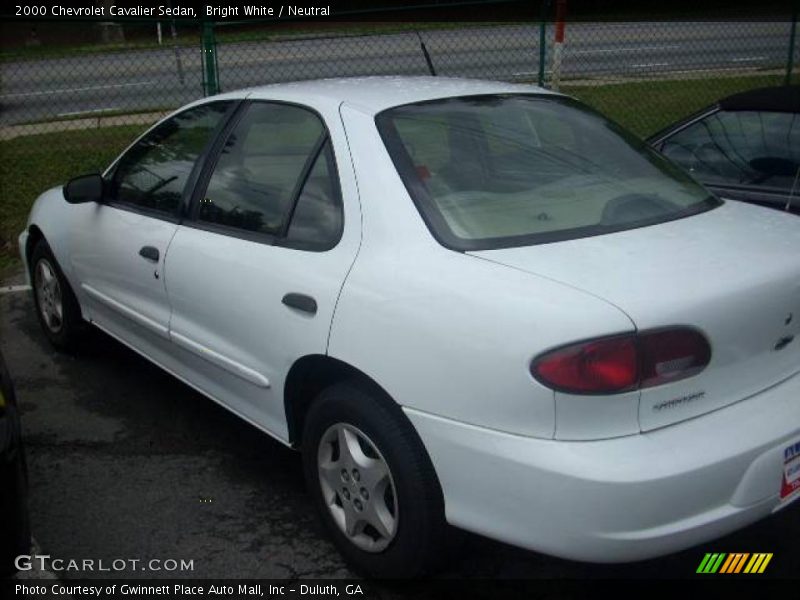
x: 15, y: 537
x: 745, y: 147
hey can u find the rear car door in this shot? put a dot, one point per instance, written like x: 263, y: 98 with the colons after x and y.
x: 119, y: 246
x: 255, y: 273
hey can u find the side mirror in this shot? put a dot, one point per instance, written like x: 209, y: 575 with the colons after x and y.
x: 87, y: 188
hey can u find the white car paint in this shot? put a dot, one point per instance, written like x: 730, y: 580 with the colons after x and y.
x: 118, y: 285
x: 732, y: 272
x: 450, y: 336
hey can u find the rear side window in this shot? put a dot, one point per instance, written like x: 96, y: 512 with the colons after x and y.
x: 275, y: 176
x: 512, y: 170
x: 317, y: 220
x: 740, y: 148
x: 153, y: 174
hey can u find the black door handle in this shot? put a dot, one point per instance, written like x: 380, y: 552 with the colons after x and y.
x: 301, y: 302
x: 149, y: 252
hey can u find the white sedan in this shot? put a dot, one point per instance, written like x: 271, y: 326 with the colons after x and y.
x: 465, y: 302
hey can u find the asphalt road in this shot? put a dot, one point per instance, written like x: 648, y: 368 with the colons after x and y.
x: 127, y: 462
x: 158, y: 78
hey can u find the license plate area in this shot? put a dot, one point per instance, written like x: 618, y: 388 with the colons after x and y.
x: 790, y: 484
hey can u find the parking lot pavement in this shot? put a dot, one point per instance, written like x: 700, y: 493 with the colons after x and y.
x: 128, y: 463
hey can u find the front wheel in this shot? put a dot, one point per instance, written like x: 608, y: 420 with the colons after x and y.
x: 56, y: 306
x: 373, y: 483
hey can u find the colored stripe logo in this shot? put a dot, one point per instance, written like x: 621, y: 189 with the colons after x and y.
x: 735, y: 562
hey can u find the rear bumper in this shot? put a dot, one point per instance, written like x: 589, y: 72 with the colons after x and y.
x: 619, y: 499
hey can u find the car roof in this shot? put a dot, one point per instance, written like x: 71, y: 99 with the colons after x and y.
x: 772, y: 99
x: 375, y: 94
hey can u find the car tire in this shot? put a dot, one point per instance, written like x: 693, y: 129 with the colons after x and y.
x: 57, y: 307
x: 14, y: 519
x: 380, y: 499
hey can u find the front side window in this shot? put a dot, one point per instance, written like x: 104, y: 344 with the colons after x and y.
x: 154, y: 172
x: 740, y: 148
x: 511, y: 170
x: 275, y: 175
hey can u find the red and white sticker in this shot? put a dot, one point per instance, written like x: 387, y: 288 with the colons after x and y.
x: 791, y: 471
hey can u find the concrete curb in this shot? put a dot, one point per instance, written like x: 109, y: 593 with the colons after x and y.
x: 9, y: 132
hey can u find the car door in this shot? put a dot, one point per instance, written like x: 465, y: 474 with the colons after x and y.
x: 254, y: 274
x: 118, y: 247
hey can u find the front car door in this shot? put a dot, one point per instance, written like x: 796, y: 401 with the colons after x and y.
x: 118, y: 247
x: 255, y: 273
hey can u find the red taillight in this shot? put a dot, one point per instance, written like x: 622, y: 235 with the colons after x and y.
x: 599, y: 366
x: 624, y: 362
x: 672, y: 354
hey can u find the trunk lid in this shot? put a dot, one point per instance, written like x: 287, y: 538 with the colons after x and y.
x: 732, y: 272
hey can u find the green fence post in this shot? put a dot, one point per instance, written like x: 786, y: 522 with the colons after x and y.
x: 210, y: 73
x: 790, y: 61
x: 543, y: 40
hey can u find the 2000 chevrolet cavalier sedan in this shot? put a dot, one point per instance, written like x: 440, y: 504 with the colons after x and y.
x: 466, y: 302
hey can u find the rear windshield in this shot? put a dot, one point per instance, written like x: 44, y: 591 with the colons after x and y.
x: 511, y: 170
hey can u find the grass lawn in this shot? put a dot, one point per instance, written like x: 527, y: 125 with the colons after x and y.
x: 29, y: 165
x: 646, y: 107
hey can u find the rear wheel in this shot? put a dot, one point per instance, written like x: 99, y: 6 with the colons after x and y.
x: 373, y: 483
x: 56, y: 306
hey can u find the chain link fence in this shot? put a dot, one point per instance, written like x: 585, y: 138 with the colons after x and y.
x: 648, y: 75
x: 73, y: 94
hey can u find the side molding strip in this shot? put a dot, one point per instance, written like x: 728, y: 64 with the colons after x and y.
x: 221, y: 361
x: 127, y: 312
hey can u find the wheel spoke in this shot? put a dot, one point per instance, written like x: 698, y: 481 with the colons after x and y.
x: 47, y: 274
x: 374, y: 474
x: 350, y: 451
x: 380, y: 518
x: 329, y: 475
x: 48, y: 295
x: 353, y: 525
x: 357, y: 487
x: 58, y: 310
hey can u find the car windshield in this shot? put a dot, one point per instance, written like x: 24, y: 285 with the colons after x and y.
x: 757, y: 149
x: 511, y: 170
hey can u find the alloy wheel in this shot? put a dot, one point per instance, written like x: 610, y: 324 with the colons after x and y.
x: 48, y: 295
x: 357, y: 487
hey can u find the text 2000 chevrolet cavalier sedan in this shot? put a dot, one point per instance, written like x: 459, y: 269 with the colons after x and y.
x: 466, y: 302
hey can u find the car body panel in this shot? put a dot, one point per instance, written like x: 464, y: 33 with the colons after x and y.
x: 118, y: 285
x: 375, y: 94
x: 424, y: 336
x: 766, y: 199
x: 623, y: 499
x: 676, y: 273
